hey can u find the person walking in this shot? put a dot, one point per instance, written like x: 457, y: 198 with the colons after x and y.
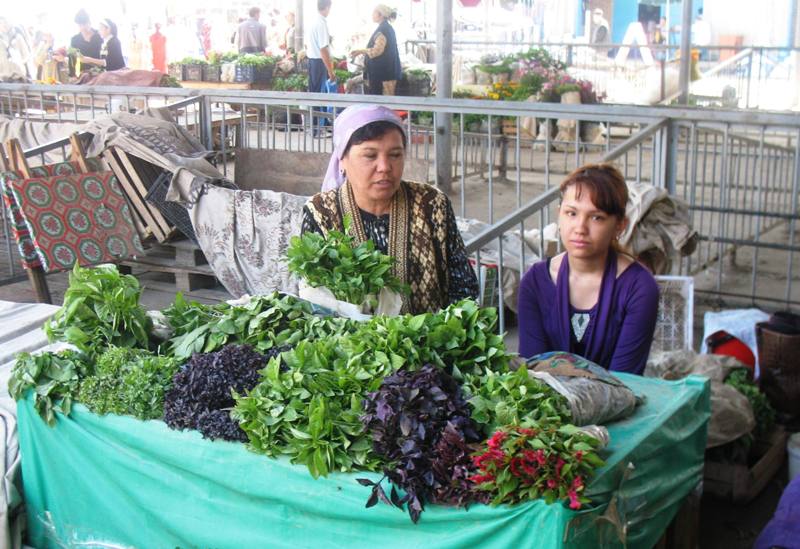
x: 318, y: 50
x: 252, y: 34
x: 383, y: 68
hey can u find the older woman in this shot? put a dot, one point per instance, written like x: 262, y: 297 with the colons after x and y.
x: 590, y: 300
x: 412, y: 222
x: 383, y: 68
x: 111, y: 51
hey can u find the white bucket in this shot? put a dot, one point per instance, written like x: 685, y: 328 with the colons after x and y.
x: 793, y: 447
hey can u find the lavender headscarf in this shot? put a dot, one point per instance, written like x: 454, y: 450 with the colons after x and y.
x: 348, y: 121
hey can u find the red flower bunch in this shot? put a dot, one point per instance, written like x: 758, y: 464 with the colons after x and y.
x: 532, y: 461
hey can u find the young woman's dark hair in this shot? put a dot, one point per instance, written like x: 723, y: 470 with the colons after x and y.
x: 371, y: 131
x: 112, y: 27
x: 605, y: 185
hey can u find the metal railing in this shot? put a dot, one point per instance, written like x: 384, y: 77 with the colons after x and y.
x: 740, y: 181
x: 737, y: 170
x: 758, y: 77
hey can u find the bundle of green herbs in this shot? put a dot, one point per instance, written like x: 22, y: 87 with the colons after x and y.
x: 420, y: 427
x: 310, y: 409
x: 509, y: 398
x: 264, y: 322
x: 128, y: 382
x: 201, y: 395
x: 353, y: 273
x: 101, y: 308
x: 54, y: 379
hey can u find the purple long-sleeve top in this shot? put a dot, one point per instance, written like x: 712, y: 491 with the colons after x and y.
x: 621, y: 324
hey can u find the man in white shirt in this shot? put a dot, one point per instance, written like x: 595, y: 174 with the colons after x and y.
x: 318, y: 49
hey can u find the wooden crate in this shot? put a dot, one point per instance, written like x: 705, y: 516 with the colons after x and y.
x: 741, y: 484
x: 135, y: 177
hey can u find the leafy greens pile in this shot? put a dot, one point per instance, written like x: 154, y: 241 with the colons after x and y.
x: 354, y: 274
x: 406, y: 419
x: 739, y: 451
x: 762, y: 410
x: 509, y: 398
x: 310, y: 411
x: 53, y: 377
x: 264, y: 322
x: 101, y: 308
x: 410, y: 396
x: 202, y: 392
x: 128, y: 382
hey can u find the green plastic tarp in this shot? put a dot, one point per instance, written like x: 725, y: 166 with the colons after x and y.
x: 116, y: 481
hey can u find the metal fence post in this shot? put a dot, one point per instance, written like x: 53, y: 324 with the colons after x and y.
x: 205, y: 116
x: 444, y: 85
x: 670, y: 162
x: 749, y: 76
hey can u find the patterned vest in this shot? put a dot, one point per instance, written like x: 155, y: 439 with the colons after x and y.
x: 417, y: 237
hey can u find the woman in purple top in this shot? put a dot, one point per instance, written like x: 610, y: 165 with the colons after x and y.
x: 590, y: 300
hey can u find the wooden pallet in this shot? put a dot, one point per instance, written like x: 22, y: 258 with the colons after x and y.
x: 182, y: 259
x: 136, y: 176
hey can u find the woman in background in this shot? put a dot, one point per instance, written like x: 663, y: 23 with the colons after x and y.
x: 383, y: 68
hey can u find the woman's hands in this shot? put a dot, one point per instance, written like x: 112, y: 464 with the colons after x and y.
x: 91, y: 60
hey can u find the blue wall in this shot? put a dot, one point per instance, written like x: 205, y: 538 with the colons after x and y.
x: 627, y: 12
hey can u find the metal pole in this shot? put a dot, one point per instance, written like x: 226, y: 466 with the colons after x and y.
x: 749, y: 78
x: 298, y: 25
x: 670, y: 165
x: 444, y: 88
x: 686, y: 52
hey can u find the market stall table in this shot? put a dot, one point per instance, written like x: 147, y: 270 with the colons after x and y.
x: 121, y: 481
x: 20, y: 331
x: 202, y: 85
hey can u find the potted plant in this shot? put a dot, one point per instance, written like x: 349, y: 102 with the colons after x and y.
x: 414, y: 82
x: 193, y: 69
x: 499, y: 73
x: 228, y: 66
x: 255, y: 68
x: 175, y: 70
x: 342, y: 76
x: 212, y: 70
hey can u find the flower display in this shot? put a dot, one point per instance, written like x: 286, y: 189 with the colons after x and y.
x: 546, y: 460
x: 536, y: 72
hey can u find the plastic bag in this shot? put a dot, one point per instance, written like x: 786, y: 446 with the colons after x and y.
x: 389, y: 302
x: 594, y: 395
x: 731, y: 412
x: 329, y: 86
x: 161, y: 329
